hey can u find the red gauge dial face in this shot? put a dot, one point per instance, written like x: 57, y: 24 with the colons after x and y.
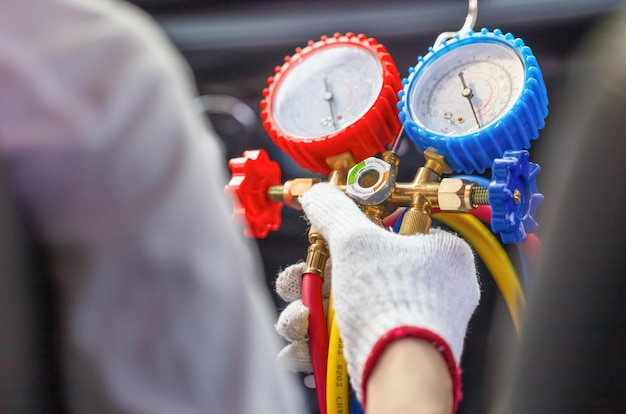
x: 327, y: 91
x: 336, y: 96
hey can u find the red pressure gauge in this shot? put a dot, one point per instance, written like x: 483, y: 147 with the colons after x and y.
x: 336, y: 95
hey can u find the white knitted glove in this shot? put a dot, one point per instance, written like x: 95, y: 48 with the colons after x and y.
x: 387, y: 286
x: 293, y: 321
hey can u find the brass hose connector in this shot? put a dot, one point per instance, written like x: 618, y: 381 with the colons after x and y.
x: 317, y: 254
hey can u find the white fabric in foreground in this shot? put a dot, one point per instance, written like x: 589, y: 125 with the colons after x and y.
x: 165, y: 311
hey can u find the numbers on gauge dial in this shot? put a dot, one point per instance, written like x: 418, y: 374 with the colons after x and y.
x: 467, y: 88
x: 327, y: 91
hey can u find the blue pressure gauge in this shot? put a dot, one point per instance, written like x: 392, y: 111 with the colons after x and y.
x: 474, y: 97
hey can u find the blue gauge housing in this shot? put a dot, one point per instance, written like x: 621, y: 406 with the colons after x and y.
x: 513, y: 130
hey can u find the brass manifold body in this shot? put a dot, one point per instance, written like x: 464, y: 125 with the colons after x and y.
x: 427, y: 190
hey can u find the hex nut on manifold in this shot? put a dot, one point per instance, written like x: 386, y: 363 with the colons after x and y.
x: 454, y: 195
x: 371, y: 181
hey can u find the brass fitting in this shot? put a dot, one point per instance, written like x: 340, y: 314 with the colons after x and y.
x: 343, y: 161
x: 480, y: 196
x: 293, y: 189
x: 339, y: 166
x: 376, y: 212
x: 455, y: 194
x: 417, y: 217
x: 435, y: 162
x: 317, y: 254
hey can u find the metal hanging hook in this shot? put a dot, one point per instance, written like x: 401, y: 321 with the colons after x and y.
x: 470, y: 21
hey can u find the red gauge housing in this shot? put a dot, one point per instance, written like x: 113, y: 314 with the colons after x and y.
x: 365, y: 136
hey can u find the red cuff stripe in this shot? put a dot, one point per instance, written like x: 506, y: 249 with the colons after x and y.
x: 417, y: 333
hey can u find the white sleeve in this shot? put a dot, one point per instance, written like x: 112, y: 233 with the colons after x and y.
x: 165, y: 310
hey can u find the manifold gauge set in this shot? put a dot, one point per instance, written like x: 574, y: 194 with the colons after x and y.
x: 339, y: 107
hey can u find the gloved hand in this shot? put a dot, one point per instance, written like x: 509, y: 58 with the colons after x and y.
x: 293, y: 321
x: 387, y: 286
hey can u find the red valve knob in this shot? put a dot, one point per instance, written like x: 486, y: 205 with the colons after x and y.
x: 252, y: 175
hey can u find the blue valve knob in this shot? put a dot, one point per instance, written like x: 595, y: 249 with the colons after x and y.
x: 513, y: 196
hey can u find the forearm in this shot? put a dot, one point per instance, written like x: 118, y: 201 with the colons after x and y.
x: 411, y: 376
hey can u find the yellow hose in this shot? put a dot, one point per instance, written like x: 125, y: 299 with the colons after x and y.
x: 337, y: 383
x: 330, y: 314
x: 494, y: 256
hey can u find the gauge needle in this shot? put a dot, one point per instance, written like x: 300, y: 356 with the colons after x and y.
x: 469, y: 94
x: 328, y: 96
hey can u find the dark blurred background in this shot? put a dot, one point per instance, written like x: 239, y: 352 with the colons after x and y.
x: 233, y: 46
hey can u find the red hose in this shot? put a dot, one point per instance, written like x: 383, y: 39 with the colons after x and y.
x: 318, y: 334
x: 482, y: 213
x: 532, y: 247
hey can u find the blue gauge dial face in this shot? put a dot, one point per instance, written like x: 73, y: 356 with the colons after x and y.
x: 467, y: 88
x: 327, y: 91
